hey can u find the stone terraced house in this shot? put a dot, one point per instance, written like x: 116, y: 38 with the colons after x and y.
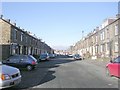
x: 14, y: 40
x: 103, y: 41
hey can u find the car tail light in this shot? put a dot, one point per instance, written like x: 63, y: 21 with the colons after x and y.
x: 33, y: 62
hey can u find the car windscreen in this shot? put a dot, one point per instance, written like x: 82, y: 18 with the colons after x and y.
x: 117, y: 60
x: 13, y: 59
x: 43, y: 55
x: 77, y: 55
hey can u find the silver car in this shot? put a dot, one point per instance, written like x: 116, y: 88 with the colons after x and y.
x: 9, y: 76
x: 77, y: 57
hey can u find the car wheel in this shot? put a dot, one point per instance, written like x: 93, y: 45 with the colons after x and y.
x: 108, y: 72
x: 29, y: 67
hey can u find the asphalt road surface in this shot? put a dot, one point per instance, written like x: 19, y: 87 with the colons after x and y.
x: 65, y: 72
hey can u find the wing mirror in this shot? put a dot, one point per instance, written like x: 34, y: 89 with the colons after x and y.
x: 111, y: 61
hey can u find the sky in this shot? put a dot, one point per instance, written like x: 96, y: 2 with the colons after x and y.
x: 59, y: 24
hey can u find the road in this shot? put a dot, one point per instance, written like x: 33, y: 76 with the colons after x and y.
x: 65, y: 72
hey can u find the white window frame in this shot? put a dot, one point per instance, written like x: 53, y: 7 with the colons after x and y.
x: 103, y: 35
x: 116, y: 47
x: 21, y: 36
x: 15, y: 34
x: 116, y: 29
x: 101, y: 48
x: 96, y: 38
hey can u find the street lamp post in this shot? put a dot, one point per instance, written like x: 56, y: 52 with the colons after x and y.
x: 82, y: 34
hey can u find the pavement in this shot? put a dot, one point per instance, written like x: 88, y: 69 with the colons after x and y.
x: 98, y: 62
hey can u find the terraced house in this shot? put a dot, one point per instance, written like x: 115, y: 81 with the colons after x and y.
x: 103, y: 41
x: 14, y: 40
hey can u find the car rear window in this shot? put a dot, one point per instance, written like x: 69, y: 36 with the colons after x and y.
x: 43, y: 55
x: 31, y: 57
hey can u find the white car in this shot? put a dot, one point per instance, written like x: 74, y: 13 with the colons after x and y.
x: 9, y: 76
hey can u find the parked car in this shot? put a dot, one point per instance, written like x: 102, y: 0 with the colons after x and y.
x: 22, y: 61
x: 70, y: 55
x: 77, y: 57
x: 44, y: 56
x: 9, y: 76
x: 113, y: 68
x: 51, y: 55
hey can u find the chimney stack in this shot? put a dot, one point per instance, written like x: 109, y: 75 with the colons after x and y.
x: 14, y: 24
x: 8, y: 20
x: 1, y: 17
x: 118, y: 15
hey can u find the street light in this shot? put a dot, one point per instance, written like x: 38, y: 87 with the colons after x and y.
x: 82, y: 34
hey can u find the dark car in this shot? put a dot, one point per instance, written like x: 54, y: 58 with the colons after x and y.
x: 77, y: 57
x: 44, y: 56
x: 21, y: 61
x: 113, y: 68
